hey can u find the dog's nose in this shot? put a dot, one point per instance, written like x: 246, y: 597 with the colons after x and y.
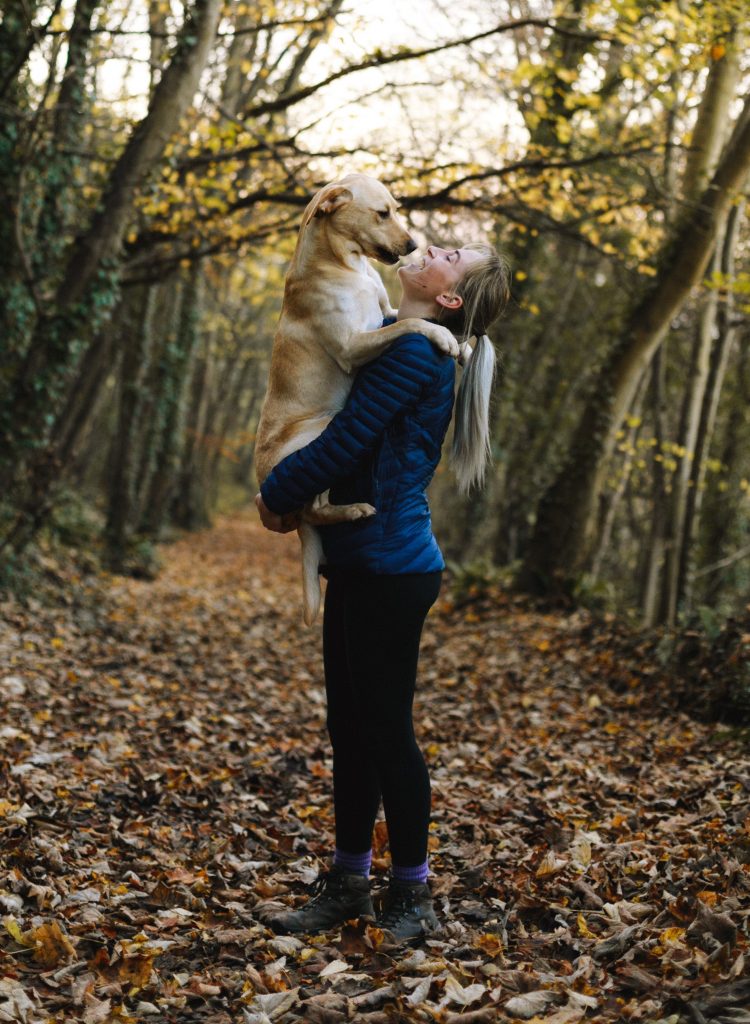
x: 411, y: 245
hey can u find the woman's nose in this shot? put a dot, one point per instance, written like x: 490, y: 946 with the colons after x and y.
x: 431, y: 251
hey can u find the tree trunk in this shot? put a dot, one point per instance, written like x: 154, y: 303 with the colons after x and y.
x: 719, y: 359
x: 653, y: 556
x: 190, y: 506
x: 18, y: 301
x: 708, y: 137
x: 155, y: 386
x: 17, y: 39
x: 710, y: 131
x: 163, y: 480
x: 561, y: 544
x: 720, y: 507
x: 157, y: 23
x: 124, y: 455
x: 90, y: 282
x: 609, y: 506
x: 67, y: 135
x: 224, y: 422
x: 695, y: 389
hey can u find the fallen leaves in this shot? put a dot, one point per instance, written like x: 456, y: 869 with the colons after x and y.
x: 271, y: 1006
x: 529, y: 1004
x: 47, y: 942
x: 50, y: 944
x: 15, y: 1004
x: 166, y: 782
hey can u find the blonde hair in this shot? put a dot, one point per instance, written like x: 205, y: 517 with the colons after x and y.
x: 485, y: 291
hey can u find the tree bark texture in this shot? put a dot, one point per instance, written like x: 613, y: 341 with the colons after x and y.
x: 162, y: 481
x: 718, y: 362
x: 563, y: 535
x: 136, y: 356
x: 90, y: 282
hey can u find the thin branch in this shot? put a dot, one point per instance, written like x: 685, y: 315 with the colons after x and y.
x: 167, y: 263
x: 537, y: 164
x: 256, y: 29
x: 379, y: 59
x: 33, y: 36
x: 723, y: 563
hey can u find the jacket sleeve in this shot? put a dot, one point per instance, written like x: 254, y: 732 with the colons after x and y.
x: 392, y: 382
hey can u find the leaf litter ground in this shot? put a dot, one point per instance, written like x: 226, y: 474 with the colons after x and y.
x: 165, y: 781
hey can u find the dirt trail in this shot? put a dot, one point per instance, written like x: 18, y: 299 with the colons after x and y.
x: 164, y: 778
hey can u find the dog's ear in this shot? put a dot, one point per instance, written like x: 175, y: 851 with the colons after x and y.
x: 326, y: 201
x: 331, y: 200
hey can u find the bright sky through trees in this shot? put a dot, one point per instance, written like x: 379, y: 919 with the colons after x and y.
x: 431, y: 108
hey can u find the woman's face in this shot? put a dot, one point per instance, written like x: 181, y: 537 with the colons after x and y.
x: 437, y: 273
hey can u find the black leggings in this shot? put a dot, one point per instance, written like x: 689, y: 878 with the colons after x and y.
x: 371, y: 633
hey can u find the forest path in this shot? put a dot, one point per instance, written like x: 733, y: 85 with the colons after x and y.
x: 164, y: 775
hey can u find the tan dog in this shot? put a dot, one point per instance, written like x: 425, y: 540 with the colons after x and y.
x: 334, y: 303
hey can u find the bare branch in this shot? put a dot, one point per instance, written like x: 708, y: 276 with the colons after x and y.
x: 379, y: 59
x: 33, y: 36
x: 262, y: 26
x: 723, y: 563
x: 537, y: 165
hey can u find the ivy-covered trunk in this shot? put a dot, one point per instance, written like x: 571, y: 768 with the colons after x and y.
x: 18, y: 299
x: 37, y: 386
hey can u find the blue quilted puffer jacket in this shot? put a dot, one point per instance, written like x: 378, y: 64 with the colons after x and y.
x: 382, y: 448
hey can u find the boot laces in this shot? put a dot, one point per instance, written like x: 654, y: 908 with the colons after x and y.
x: 322, y: 887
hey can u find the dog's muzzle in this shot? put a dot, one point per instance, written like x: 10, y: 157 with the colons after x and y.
x: 393, y: 256
x: 387, y: 255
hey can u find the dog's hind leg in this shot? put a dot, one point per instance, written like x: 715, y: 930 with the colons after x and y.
x: 320, y: 511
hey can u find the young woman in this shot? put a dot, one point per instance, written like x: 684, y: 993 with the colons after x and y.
x: 384, y: 574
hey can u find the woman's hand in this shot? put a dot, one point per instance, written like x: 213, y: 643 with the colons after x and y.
x: 271, y: 521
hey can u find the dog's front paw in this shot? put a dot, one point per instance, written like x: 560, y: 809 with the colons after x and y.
x: 443, y: 340
x: 465, y: 352
x: 360, y: 510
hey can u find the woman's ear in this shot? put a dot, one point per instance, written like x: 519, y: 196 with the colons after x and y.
x: 453, y: 302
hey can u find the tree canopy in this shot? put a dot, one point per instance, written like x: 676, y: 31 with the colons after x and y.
x: 156, y: 158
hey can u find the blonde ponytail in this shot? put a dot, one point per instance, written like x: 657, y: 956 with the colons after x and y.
x: 485, y: 290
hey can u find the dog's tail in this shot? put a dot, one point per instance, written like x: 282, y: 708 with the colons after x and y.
x: 312, y: 553
x: 471, y: 432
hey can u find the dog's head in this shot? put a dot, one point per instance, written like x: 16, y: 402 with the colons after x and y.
x: 362, y: 210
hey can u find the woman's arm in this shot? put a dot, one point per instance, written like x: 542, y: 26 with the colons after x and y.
x: 384, y: 387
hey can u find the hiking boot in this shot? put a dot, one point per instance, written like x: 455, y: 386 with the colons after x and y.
x: 408, y: 911
x: 336, y: 896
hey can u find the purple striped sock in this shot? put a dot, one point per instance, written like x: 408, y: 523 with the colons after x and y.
x: 418, y: 873
x: 353, y: 863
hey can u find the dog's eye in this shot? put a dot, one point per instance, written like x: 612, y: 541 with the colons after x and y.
x: 384, y: 214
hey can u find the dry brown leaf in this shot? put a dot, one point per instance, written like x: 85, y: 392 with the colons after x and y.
x: 529, y: 1004
x: 551, y: 864
x: 50, y: 944
x: 334, y: 967
x: 97, y: 1010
